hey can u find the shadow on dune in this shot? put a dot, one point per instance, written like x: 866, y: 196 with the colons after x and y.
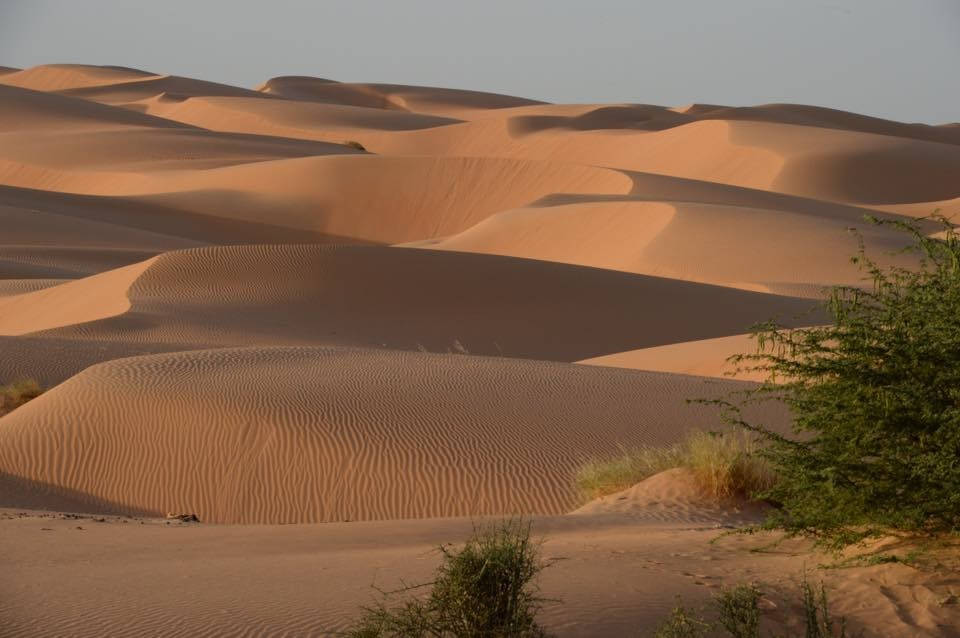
x: 18, y: 492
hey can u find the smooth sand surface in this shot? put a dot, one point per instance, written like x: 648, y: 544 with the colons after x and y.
x: 241, y: 315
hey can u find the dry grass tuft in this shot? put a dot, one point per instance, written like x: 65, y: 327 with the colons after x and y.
x: 15, y: 394
x: 725, y: 465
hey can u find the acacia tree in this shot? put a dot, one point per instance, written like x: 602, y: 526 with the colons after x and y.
x: 875, y: 398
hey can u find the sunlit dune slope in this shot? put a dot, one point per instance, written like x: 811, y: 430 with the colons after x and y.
x: 754, y: 248
x: 705, y: 358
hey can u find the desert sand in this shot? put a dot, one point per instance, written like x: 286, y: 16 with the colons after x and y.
x: 341, y: 321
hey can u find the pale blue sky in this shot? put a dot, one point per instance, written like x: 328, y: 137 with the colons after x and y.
x: 891, y: 58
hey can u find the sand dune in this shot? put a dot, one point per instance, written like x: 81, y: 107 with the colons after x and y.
x: 456, y: 103
x: 23, y: 109
x: 383, y: 199
x: 96, y: 297
x: 244, y: 318
x: 753, y: 248
x: 305, y: 434
x: 851, y: 166
x: 112, y: 84
x: 408, y: 300
x: 287, y: 118
x: 9, y: 287
x: 59, y: 77
x: 704, y: 358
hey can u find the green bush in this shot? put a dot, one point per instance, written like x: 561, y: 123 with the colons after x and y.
x: 739, y: 611
x: 15, y: 394
x: 486, y: 588
x: 875, y: 397
x: 723, y: 464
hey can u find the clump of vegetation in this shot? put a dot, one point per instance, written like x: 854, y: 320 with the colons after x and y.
x: 724, y: 465
x: 683, y: 622
x: 816, y: 613
x: 736, y: 612
x: 485, y: 588
x: 739, y: 611
x: 355, y: 144
x: 875, y: 397
x: 15, y: 394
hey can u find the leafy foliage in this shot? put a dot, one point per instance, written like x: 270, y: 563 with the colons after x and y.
x: 739, y: 611
x: 484, y: 589
x: 875, y: 396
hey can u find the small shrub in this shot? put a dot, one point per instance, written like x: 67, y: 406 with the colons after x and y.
x: 724, y: 465
x: 739, y: 611
x: 816, y: 612
x: 355, y: 144
x: 682, y: 623
x: 486, y: 588
x: 15, y: 394
x: 737, y: 615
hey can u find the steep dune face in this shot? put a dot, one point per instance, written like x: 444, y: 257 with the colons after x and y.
x: 203, y: 270
x: 307, y: 435
x: 96, y: 297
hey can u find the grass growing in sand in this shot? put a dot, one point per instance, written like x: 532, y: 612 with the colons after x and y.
x: 724, y: 465
x: 15, y: 394
x: 485, y: 588
x: 736, y: 613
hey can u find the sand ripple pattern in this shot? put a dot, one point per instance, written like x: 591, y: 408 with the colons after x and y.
x: 285, y: 435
